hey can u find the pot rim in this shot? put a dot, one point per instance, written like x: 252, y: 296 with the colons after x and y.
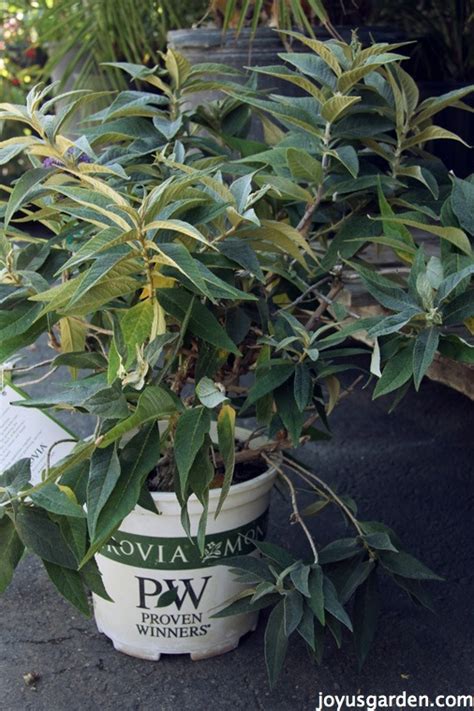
x: 214, y: 494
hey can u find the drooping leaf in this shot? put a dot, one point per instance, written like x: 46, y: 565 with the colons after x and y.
x: 365, y: 615
x: 11, y: 550
x: 276, y: 643
x: 426, y: 345
x: 193, y: 425
x: 69, y: 583
x: 226, y: 441
x: 103, y: 476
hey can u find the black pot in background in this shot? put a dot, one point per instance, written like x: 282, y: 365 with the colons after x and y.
x: 212, y: 45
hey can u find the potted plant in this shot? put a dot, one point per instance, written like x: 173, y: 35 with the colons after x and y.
x: 187, y: 288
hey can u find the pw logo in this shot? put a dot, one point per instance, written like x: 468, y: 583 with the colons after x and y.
x: 151, y: 590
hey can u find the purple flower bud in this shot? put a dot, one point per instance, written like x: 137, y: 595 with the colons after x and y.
x: 84, y: 159
x: 52, y: 163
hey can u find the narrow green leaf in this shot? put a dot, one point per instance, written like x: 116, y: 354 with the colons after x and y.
x: 103, y: 475
x: 276, y: 643
x: 426, y: 345
x: 396, y: 372
x: 365, y: 613
x: 226, y: 441
x: 23, y: 189
x: 292, y: 611
x: 316, y: 600
x: 11, y: 550
x: 333, y: 605
x: 192, y: 427
x: 406, y: 566
x: 70, y: 585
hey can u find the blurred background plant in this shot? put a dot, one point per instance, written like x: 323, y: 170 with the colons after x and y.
x: 20, y: 66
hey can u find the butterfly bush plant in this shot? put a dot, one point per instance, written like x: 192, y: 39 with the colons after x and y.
x: 186, y: 275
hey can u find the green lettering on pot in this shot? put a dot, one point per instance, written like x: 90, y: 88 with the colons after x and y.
x: 181, y: 553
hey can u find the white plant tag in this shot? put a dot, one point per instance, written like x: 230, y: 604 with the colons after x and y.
x: 29, y: 432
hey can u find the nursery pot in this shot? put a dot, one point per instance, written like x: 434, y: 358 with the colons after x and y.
x: 150, y: 556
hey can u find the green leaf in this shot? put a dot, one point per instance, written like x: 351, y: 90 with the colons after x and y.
x: 333, y: 108
x: 245, y: 604
x: 451, y: 282
x: 104, y: 473
x: 303, y: 166
x: 355, y: 579
x: 347, y: 155
x: 75, y: 393
x: 154, y: 403
x: 462, y: 200
x: 406, y: 566
x: 459, y: 309
x: 200, y: 477
x: 226, y: 441
x: 277, y: 554
x: 287, y: 409
x: 332, y: 604
x: 306, y: 626
x: 384, y: 290
x: 202, y: 323
x: 274, y: 376
x: 393, y: 323
x: 209, y: 394
x: 136, y: 324
x: 92, y: 579
x: 70, y: 585
x: 284, y: 187
x: 292, y: 611
x: 396, y: 372
x: 316, y: 600
x: 339, y: 550
x: 242, y: 254
x: 303, y: 386
x: 433, y: 105
x: 42, y: 536
x: 416, y: 590
x: 51, y: 498
x: 276, y: 643
x: 256, y: 567
x: 24, y: 187
x: 17, y: 477
x: 431, y: 133
x: 300, y: 579
x: 11, y: 551
x: 137, y: 459
x: 380, y: 541
x: 192, y: 427
x: 365, y: 614
x: 451, y: 234
x: 426, y: 345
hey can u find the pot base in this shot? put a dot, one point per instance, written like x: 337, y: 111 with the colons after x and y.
x: 151, y: 656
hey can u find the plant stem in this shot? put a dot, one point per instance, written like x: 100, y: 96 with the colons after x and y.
x: 294, y: 503
x: 302, y: 470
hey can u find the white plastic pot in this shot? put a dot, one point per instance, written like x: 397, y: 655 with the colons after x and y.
x: 151, y: 555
